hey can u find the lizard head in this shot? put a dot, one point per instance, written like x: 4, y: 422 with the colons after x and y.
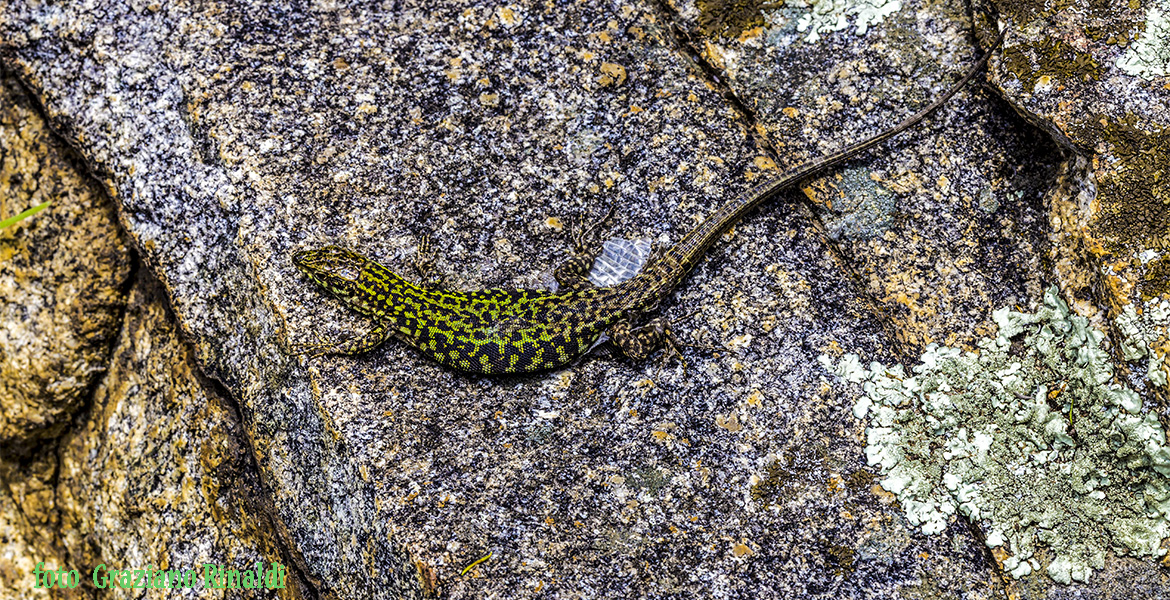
x: 333, y: 268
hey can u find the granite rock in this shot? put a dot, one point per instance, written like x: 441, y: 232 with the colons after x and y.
x: 132, y: 461
x: 1096, y: 75
x: 231, y: 135
x: 943, y: 223
x: 63, y: 277
x: 158, y: 471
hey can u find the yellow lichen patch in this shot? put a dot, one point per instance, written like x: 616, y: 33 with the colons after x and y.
x: 730, y: 423
x: 822, y: 192
x: 903, y: 182
x: 730, y: 18
x: 1156, y: 281
x: 750, y: 33
x: 914, y: 328
x: 1133, y: 190
x: 1051, y: 59
x: 509, y: 16
x: 884, y: 496
x: 764, y: 163
x: 612, y: 74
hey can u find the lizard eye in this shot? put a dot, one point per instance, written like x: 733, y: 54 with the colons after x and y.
x: 348, y: 272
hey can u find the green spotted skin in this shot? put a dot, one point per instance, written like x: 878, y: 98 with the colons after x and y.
x: 488, y: 331
x: 497, y: 331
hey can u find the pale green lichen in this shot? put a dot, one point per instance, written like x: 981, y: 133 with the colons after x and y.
x: 1028, y: 436
x: 1142, y: 336
x: 1149, y: 56
x: 827, y: 16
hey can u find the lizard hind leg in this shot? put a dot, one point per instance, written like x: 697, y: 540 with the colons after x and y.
x: 639, y: 343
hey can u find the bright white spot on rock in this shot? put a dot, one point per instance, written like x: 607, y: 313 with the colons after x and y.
x: 827, y: 16
x: 1149, y: 56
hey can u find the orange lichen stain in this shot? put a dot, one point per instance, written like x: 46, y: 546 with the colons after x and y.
x: 884, y: 496
x: 790, y: 112
x: 750, y: 33
x: 611, y: 74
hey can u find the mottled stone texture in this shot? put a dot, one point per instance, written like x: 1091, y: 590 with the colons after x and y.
x: 158, y: 472
x: 62, y: 277
x: 28, y: 525
x: 942, y: 224
x: 131, y: 461
x: 154, y: 473
x: 231, y: 135
x: 1097, y: 76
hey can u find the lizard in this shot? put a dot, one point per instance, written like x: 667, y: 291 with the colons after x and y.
x: 512, y: 331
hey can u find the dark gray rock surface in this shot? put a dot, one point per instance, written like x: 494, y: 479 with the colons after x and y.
x: 232, y: 135
x: 942, y: 224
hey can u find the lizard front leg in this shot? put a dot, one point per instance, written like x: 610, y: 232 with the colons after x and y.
x: 354, y: 344
x: 573, y: 274
x: 424, y: 265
